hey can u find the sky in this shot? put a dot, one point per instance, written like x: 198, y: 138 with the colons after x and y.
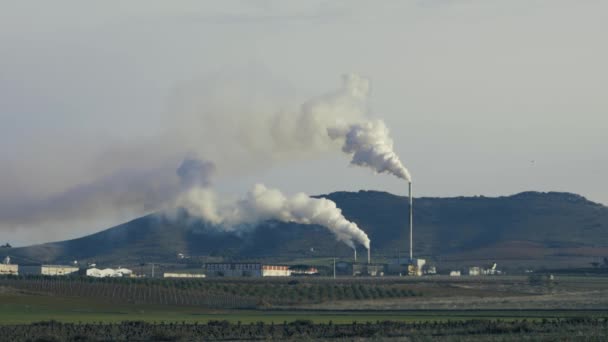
x: 100, y: 101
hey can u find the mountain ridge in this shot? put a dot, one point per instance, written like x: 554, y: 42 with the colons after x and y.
x: 444, y: 228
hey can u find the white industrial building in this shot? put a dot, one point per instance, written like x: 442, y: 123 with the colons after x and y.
x: 493, y: 270
x: 305, y: 272
x: 233, y: 269
x: 183, y: 275
x: 109, y: 272
x: 7, y: 269
x: 246, y: 270
x: 275, y: 271
x: 49, y: 270
x: 474, y: 271
x: 416, y: 267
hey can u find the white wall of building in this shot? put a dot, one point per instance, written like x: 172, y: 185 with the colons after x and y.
x: 275, y: 271
x: 108, y: 272
x: 9, y: 269
x: 183, y: 275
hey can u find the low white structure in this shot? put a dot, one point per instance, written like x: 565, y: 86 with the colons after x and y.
x: 306, y: 271
x: 492, y: 270
x: 183, y: 275
x: 109, y: 272
x: 474, y: 271
x: 7, y: 269
x: 455, y: 274
x: 233, y: 269
x: 415, y: 267
x: 275, y: 271
x: 49, y: 270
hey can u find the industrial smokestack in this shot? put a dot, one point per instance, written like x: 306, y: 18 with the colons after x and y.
x: 369, y: 255
x: 411, y: 221
x: 355, y: 249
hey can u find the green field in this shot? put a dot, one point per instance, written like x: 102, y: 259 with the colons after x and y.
x: 320, y: 300
x: 24, y: 309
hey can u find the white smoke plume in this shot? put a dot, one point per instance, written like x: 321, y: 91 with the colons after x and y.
x: 262, y: 204
x: 341, y: 116
x: 370, y: 145
x: 241, y: 121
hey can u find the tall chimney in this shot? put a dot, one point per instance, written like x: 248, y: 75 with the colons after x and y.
x: 369, y: 255
x: 411, y: 222
x: 355, y: 249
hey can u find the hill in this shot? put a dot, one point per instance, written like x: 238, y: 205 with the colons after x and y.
x: 546, y: 229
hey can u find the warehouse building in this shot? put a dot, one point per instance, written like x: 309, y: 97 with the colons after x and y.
x: 183, y: 275
x: 474, y: 271
x: 233, y: 269
x: 246, y: 270
x: 7, y: 269
x: 48, y: 270
x: 308, y: 271
x: 109, y: 272
x: 275, y: 271
x: 360, y: 269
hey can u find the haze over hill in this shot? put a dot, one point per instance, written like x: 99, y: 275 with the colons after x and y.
x: 530, y: 227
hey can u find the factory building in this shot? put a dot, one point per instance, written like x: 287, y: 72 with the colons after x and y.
x: 108, y: 273
x: 48, y: 270
x: 416, y: 267
x: 474, y: 271
x: 397, y: 267
x: 305, y: 272
x: 233, y: 269
x: 360, y: 269
x: 275, y: 271
x: 247, y: 270
x: 492, y: 270
x: 183, y: 275
x: 7, y: 269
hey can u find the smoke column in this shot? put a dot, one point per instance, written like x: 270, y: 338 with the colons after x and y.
x: 369, y: 145
x: 262, y: 204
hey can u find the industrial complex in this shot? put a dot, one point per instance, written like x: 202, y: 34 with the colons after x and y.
x: 410, y: 266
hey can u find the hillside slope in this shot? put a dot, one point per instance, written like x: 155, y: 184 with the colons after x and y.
x: 526, y: 226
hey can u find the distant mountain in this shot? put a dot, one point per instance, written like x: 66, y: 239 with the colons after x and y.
x: 531, y: 226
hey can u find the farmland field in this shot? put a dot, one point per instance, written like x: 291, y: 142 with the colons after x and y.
x: 24, y: 309
x: 437, y: 302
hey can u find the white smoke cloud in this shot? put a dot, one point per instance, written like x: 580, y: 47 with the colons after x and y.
x: 242, y: 125
x: 341, y: 116
x: 263, y: 204
x: 370, y: 145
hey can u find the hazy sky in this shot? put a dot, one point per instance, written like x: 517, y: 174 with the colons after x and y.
x: 482, y: 97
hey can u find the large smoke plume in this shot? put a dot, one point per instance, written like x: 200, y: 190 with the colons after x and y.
x: 231, y: 120
x: 263, y: 204
x: 370, y: 145
x: 343, y: 116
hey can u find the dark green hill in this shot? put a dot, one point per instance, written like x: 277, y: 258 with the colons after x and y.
x: 525, y: 227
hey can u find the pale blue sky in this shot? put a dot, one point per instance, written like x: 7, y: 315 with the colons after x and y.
x: 482, y: 97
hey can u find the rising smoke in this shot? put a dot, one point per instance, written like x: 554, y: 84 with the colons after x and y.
x: 342, y: 116
x: 370, y: 145
x: 262, y: 204
x: 234, y: 123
